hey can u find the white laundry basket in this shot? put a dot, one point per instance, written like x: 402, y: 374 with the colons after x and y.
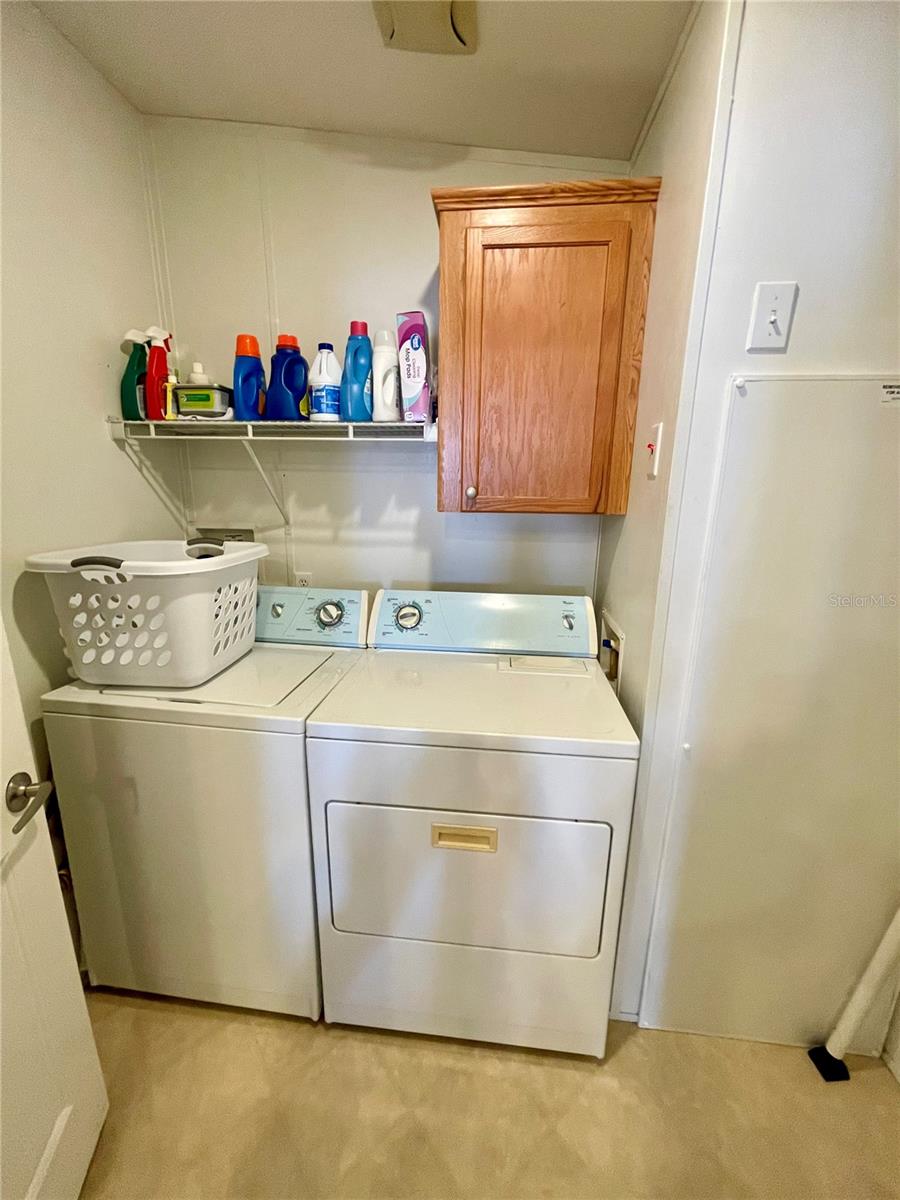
x: 154, y: 614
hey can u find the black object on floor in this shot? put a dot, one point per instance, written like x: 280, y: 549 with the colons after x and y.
x: 832, y: 1070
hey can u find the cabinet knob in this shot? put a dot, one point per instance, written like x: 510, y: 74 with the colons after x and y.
x: 471, y: 492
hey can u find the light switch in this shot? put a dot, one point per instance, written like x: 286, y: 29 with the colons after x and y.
x: 653, y: 450
x: 773, y: 312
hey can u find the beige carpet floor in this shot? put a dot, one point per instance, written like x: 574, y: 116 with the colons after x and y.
x: 221, y: 1104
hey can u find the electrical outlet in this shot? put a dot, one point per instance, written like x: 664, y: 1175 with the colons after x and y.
x: 303, y: 579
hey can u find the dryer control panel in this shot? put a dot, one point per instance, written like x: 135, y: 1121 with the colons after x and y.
x: 499, y: 623
x: 311, y: 616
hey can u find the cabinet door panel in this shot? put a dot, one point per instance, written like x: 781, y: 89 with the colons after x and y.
x: 543, y: 327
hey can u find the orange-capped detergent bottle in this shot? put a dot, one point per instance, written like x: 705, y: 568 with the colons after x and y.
x: 249, y: 380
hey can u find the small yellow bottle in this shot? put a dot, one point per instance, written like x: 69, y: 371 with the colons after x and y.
x: 169, y: 386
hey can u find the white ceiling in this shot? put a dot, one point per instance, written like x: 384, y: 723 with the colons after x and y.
x: 560, y: 76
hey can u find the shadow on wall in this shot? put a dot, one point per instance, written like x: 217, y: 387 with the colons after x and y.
x: 366, y: 516
x: 32, y: 607
x: 428, y: 302
x: 383, y: 152
x: 34, y: 618
x: 385, y: 526
x: 612, y: 528
x: 36, y: 622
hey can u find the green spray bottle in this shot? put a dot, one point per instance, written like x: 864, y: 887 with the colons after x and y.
x: 132, y: 386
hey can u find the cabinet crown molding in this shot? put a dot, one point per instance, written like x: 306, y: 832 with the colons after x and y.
x: 587, y: 191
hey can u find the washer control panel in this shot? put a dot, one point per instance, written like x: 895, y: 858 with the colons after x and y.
x: 311, y: 616
x: 484, y: 621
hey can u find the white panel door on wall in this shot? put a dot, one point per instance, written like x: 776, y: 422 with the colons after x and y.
x: 780, y: 868
x: 53, y: 1097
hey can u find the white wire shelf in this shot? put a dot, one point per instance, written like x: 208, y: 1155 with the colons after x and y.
x: 268, y: 431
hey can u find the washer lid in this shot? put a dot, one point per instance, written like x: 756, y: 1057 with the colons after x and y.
x: 261, y: 679
x: 272, y: 688
x: 484, y: 701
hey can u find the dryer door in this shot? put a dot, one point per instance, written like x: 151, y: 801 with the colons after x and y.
x: 503, y: 882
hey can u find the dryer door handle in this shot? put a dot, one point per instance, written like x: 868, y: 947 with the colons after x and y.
x: 464, y: 837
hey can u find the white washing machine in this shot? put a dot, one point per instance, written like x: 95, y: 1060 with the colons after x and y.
x: 186, y: 817
x: 471, y: 788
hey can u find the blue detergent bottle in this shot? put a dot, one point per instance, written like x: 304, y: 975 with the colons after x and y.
x: 287, y: 382
x: 356, y: 382
x: 249, y: 380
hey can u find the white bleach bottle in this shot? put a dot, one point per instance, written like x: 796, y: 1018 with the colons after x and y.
x: 385, y: 378
x: 325, y: 385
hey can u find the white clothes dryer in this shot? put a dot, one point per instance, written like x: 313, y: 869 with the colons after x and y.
x: 471, y: 789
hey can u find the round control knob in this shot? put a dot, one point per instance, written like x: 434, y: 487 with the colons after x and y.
x: 408, y: 616
x: 471, y: 492
x: 568, y: 621
x: 329, y: 614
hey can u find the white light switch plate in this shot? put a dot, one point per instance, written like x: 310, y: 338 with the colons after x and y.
x: 772, y: 314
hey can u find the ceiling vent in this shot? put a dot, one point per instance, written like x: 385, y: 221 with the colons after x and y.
x: 428, y: 26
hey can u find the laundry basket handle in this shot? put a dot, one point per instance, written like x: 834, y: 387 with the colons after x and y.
x: 205, y: 541
x: 95, y: 560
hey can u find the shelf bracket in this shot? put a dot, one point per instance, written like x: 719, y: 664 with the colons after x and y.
x: 129, y: 435
x: 264, y: 477
x: 150, y: 477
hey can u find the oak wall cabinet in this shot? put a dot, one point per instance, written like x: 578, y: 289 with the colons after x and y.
x: 543, y: 294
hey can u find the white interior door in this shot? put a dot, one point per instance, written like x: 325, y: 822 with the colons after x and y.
x: 53, y: 1097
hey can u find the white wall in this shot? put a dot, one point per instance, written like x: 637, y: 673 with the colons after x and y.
x: 809, y: 194
x: 684, y: 144
x: 676, y: 147
x: 269, y: 230
x: 77, y: 272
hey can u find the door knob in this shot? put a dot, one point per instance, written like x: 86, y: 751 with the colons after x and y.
x: 21, y: 794
x: 471, y: 492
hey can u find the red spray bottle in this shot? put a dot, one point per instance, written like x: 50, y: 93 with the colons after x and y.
x: 157, y: 373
